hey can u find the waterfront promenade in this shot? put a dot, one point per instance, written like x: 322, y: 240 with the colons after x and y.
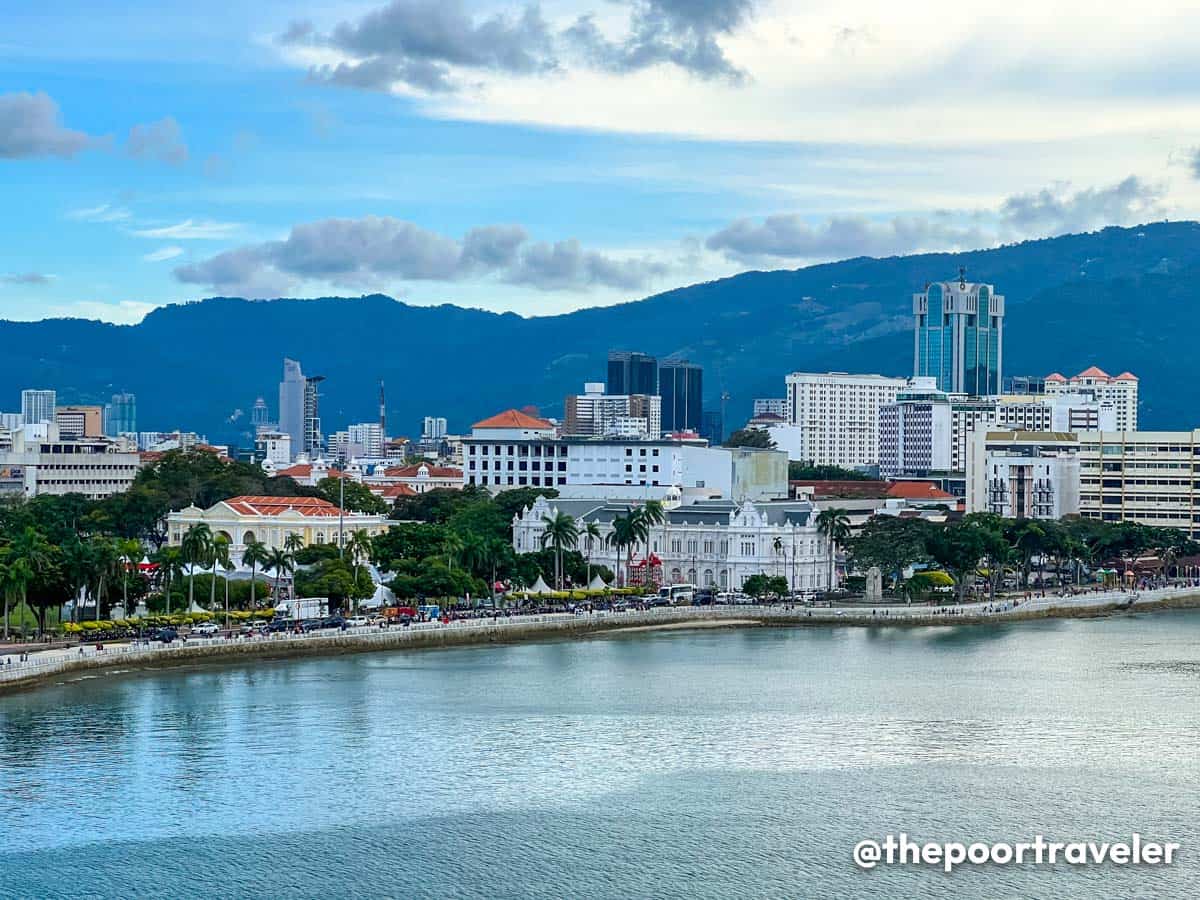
x: 43, y: 665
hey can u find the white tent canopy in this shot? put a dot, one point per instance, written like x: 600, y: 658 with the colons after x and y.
x: 597, y: 583
x: 540, y: 587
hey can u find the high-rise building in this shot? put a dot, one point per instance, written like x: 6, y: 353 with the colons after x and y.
x: 680, y: 384
x: 838, y: 415
x: 1121, y: 391
x: 38, y: 406
x: 595, y: 413
x: 632, y: 373
x: 79, y: 421
x: 365, y: 440
x: 299, y: 408
x: 260, y: 414
x: 120, y: 415
x: 433, y: 428
x: 959, y: 336
x: 712, y: 426
x: 915, y: 432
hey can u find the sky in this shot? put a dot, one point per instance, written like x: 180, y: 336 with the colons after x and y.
x: 539, y: 158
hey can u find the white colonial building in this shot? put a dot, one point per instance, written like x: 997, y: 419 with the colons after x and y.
x: 712, y: 543
x: 269, y: 520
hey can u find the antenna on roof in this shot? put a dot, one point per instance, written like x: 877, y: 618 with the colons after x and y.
x: 962, y: 276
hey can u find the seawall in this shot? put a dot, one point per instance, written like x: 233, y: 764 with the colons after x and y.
x: 49, y: 666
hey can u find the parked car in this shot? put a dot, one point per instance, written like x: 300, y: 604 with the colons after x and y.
x: 332, y: 622
x: 206, y: 629
x: 357, y: 622
x: 166, y: 635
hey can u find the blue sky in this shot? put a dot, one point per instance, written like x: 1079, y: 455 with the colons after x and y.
x: 543, y: 158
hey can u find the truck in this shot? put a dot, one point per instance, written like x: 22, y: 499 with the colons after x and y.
x: 303, y: 608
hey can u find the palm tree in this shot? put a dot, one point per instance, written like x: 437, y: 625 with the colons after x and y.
x: 106, y: 564
x: 452, y: 544
x: 358, y: 547
x: 282, y: 563
x: 652, y: 513
x: 131, y: 553
x: 591, y: 532
x: 170, y: 567
x: 561, y: 532
x: 780, y: 551
x: 833, y: 524
x: 219, y: 556
x: 77, y: 565
x: 28, y: 554
x: 195, y: 545
x: 15, y: 575
x: 626, y: 532
x: 256, y: 554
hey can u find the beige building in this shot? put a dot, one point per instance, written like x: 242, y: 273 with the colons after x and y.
x: 269, y: 520
x: 35, y: 460
x: 1023, y: 474
x: 80, y: 421
x: 1141, y: 476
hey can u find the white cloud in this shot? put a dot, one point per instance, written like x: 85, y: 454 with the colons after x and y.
x: 856, y: 71
x: 102, y: 213
x: 192, y: 230
x: 163, y: 254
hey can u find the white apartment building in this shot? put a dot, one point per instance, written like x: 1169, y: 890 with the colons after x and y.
x: 838, y: 414
x: 514, y: 450
x: 275, y: 446
x: 365, y: 439
x: 915, y: 432
x: 1023, y: 474
x: 595, y: 413
x: 38, y: 406
x: 1141, y: 476
x: 37, y: 461
x: 712, y: 544
x: 771, y: 406
x: 1121, y: 391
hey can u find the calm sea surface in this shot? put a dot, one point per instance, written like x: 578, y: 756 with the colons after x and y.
x: 691, y: 764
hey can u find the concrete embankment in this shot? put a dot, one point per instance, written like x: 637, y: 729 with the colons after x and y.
x: 55, y: 665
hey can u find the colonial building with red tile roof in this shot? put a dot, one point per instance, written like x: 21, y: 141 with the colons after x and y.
x: 270, y: 520
x: 417, y: 478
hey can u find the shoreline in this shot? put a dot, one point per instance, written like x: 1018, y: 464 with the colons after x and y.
x: 521, y: 629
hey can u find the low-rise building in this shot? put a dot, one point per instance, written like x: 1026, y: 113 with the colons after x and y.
x: 1024, y: 474
x: 417, y: 478
x: 711, y: 544
x: 270, y: 520
x: 36, y: 461
x: 1146, y: 477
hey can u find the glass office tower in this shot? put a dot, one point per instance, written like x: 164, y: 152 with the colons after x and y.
x: 679, y: 383
x: 959, y: 337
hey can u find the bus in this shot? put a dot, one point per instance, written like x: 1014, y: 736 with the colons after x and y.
x: 678, y: 594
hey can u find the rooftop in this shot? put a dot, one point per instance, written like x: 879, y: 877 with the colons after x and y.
x: 513, y: 418
x: 316, y: 507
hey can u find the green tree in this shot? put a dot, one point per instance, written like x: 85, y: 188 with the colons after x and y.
x: 170, y: 568
x: 255, y: 555
x: 833, y: 524
x: 890, y: 543
x: 281, y: 563
x: 591, y: 535
x: 626, y: 532
x: 958, y: 550
x: 130, y: 551
x: 352, y: 496
x: 809, y: 471
x: 196, y: 546
x: 561, y: 532
x: 757, y: 438
x: 219, y: 558
x: 358, y: 551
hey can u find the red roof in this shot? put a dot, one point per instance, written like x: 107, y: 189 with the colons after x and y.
x: 273, y: 506
x: 392, y: 491
x: 918, y: 490
x: 1055, y: 376
x: 842, y: 489
x: 434, y: 471
x: 1093, y: 372
x: 304, y: 470
x: 513, y: 418
x: 1126, y: 376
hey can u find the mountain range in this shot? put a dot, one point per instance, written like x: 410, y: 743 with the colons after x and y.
x: 1120, y: 298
